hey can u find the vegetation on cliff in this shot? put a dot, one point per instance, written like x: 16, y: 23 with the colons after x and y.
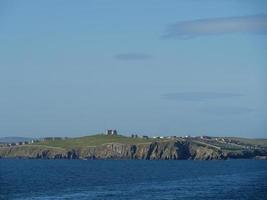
x: 122, y: 147
x: 94, y: 140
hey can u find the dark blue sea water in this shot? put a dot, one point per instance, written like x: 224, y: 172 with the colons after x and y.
x: 132, y: 179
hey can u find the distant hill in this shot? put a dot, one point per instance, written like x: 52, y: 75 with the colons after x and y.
x: 14, y: 139
x: 122, y: 147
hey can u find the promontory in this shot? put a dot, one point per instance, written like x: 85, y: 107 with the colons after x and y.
x: 113, y: 146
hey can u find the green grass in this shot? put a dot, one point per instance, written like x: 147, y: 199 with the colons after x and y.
x: 100, y: 139
x: 236, y: 144
x: 225, y: 146
x: 204, y: 144
x: 94, y: 140
x: 27, y: 150
x: 252, y: 142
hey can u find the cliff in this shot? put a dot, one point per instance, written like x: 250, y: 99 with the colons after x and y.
x: 155, y: 150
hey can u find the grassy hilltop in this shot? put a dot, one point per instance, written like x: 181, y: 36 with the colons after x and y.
x: 121, y: 147
x: 223, y: 143
x: 93, y: 140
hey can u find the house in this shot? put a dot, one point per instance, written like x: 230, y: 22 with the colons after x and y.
x: 145, y: 137
x: 33, y: 141
x: 111, y: 132
x: 134, y: 136
x: 206, y: 137
x: 172, y: 137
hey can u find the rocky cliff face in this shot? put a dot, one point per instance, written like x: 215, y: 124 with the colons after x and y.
x: 247, y: 154
x: 168, y: 150
x: 149, y: 151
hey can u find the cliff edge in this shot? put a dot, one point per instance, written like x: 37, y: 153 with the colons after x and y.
x: 169, y: 149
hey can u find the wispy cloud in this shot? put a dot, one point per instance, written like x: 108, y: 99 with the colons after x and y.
x: 199, y: 96
x: 132, y: 56
x: 256, y: 24
x: 229, y: 110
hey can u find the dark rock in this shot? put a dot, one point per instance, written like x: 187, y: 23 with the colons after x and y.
x: 160, y: 150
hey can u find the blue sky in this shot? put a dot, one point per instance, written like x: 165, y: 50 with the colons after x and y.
x: 71, y: 68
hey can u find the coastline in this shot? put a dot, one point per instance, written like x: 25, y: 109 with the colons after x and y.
x: 157, y: 150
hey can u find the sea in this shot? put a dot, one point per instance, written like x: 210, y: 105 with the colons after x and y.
x: 132, y: 179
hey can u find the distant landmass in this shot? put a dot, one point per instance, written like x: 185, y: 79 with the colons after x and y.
x: 6, y: 140
x: 102, y: 146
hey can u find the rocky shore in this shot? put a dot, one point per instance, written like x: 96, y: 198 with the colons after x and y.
x: 159, y: 150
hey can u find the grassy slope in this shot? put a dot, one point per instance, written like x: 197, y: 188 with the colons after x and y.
x: 94, y: 140
x: 253, y: 142
x: 27, y: 150
x: 238, y: 144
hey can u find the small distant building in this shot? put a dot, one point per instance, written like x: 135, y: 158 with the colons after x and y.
x: 145, y: 137
x: 172, y: 137
x: 33, y: 141
x: 220, y: 140
x: 134, y: 136
x: 111, y: 132
x: 206, y: 137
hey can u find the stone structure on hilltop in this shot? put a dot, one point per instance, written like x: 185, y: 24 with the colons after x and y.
x: 111, y: 132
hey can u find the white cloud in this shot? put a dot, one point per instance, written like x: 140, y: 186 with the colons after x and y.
x: 256, y: 24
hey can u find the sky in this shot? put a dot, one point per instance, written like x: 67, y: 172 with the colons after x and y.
x: 73, y: 68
